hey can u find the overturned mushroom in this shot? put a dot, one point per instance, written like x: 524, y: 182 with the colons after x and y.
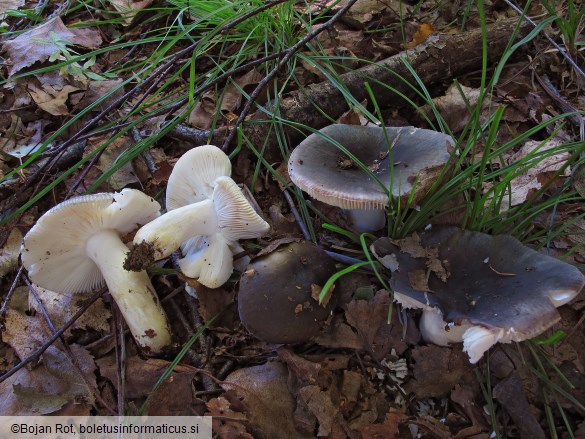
x: 277, y: 299
x: 477, y: 288
x: 412, y: 157
x: 76, y: 247
x: 207, y: 229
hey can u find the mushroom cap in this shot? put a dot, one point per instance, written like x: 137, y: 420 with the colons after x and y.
x: 194, y: 178
x: 54, y: 250
x: 275, y: 300
x: 493, y: 282
x: 194, y: 174
x: 315, y: 167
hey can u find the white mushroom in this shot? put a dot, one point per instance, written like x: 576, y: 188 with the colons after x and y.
x: 222, y: 219
x: 76, y: 247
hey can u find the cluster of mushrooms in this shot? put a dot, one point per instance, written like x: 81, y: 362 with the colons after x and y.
x: 79, y: 245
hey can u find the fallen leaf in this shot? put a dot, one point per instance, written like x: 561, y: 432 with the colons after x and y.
x: 389, y: 429
x: 38, y: 44
x: 23, y: 333
x: 9, y: 5
x: 510, y: 393
x: 129, y: 8
x: 321, y: 405
x: 367, y: 316
x: 52, y: 101
x: 51, y: 385
x: 124, y: 175
x: 97, y: 90
x: 264, y: 393
x: 455, y: 105
x: 421, y: 35
x: 534, y: 177
x: 437, y: 370
x: 141, y: 375
x: 227, y: 424
x: 10, y: 252
x: 61, y: 307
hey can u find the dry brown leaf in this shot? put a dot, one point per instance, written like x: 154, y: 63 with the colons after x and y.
x: 7, y: 5
x: 124, y: 175
x: 23, y: 333
x: 367, y: 316
x: 421, y: 35
x: 227, y: 424
x: 389, y: 429
x: 37, y: 44
x: 9, y: 253
x: 510, y: 393
x: 24, y: 139
x: 453, y: 106
x: 264, y: 393
x: 97, y: 90
x: 128, y: 8
x: 61, y: 307
x: 436, y: 371
x: 50, y: 100
x: 51, y: 385
x: 141, y: 375
x: 321, y: 405
x: 525, y: 185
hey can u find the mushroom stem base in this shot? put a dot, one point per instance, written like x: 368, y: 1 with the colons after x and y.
x: 132, y: 291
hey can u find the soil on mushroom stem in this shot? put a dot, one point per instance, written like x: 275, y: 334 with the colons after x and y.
x: 140, y: 257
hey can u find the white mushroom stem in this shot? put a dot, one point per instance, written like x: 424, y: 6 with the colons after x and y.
x: 167, y: 232
x: 132, y: 291
x: 367, y: 220
x: 435, y: 330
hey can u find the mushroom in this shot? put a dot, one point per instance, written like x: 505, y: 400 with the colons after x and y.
x: 76, y: 247
x: 276, y: 299
x: 477, y: 288
x: 412, y: 157
x: 207, y: 216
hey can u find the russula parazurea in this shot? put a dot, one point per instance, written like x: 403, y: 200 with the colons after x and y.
x: 207, y: 215
x: 276, y: 299
x: 76, y: 247
x: 477, y: 288
x: 401, y: 159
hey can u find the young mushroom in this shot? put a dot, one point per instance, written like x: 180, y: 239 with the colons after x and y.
x: 411, y: 157
x: 477, y: 288
x: 276, y: 300
x: 76, y: 247
x: 207, y: 215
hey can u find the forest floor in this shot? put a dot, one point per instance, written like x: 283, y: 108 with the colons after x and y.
x: 101, y: 96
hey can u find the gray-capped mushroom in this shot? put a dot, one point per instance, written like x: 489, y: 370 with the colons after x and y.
x: 76, y: 247
x: 321, y: 169
x: 276, y: 300
x: 477, y: 288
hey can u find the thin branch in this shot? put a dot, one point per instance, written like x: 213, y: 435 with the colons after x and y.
x: 36, y: 354
x: 289, y: 53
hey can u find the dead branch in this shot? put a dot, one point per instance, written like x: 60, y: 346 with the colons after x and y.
x: 441, y: 58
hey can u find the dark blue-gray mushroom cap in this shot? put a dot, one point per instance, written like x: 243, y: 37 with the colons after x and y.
x: 496, y: 287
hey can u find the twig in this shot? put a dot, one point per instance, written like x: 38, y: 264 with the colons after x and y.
x: 289, y: 53
x: 562, y: 51
x: 36, y: 354
x: 10, y: 292
x: 120, y: 346
x: 297, y: 215
x: 66, y: 348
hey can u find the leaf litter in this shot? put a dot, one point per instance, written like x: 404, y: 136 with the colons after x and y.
x: 359, y: 379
